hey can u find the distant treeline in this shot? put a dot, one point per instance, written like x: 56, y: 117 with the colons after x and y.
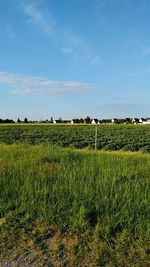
x: 18, y: 121
x: 6, y: 121
x: 86, y: 120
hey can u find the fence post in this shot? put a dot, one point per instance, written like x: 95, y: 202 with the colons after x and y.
x: 96, y: 137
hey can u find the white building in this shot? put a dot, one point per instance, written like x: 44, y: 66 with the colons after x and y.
x: 93, y: 122
x: 146, y: 122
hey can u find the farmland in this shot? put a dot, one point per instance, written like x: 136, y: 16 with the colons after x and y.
x: 110, y: 137
x: 63, y: 206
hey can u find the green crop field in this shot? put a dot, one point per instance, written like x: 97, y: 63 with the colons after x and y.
x: 63, y: 206
x: 110, y: 137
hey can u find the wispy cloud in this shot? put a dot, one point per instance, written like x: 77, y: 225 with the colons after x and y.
x: 22, y: 91
x: 40, y: 16
x: 26, y: 85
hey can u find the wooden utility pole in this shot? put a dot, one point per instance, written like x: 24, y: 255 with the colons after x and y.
x: 96, y: 137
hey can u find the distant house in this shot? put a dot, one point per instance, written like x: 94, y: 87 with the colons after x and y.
x: 57, y: 121
x: 146, y: 121
x: 73, y: 121
x: 118, y: 121
x: 141, y: 120
x: 135, y: 120
x: 114, y: 120
x: 95, y: 121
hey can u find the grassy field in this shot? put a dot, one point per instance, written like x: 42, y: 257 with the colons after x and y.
x: 68, y: 207
x: 110, y: 137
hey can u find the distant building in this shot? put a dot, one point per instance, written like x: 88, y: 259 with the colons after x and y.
x: 135, y: 120
x: 57, y: 121
x: 75, y: 121
x: 114, y: 120
x: 146, y: 121
x: 95, y: 121
x: 141, y: 120
x: 118, y: 121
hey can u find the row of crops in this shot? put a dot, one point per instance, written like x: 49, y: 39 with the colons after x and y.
x: 110, y: 137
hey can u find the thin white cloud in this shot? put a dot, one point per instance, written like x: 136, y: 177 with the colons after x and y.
x: 39, y: 17
x: 25, y: 85
x: 11, y: 78
x: 22, y: 91
x: 39, y: 14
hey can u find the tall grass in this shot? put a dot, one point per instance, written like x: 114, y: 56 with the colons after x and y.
x: 77, y: 189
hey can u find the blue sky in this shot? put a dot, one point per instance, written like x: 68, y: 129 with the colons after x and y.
x: 74, y: 58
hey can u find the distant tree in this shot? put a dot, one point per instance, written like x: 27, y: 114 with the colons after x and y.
x: 108, y: 121
x: 46, y: 121
x: 51, y: 120
x: 96, y: 120
x: 128, y: 120
x: 18, y: 121
x: 9, y: 121
x: 105, y: 121
x: 88, y: 119
x: 25, y: 120
x: 121, y: 121
x: 81, y: 120
x: 77, y: 121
